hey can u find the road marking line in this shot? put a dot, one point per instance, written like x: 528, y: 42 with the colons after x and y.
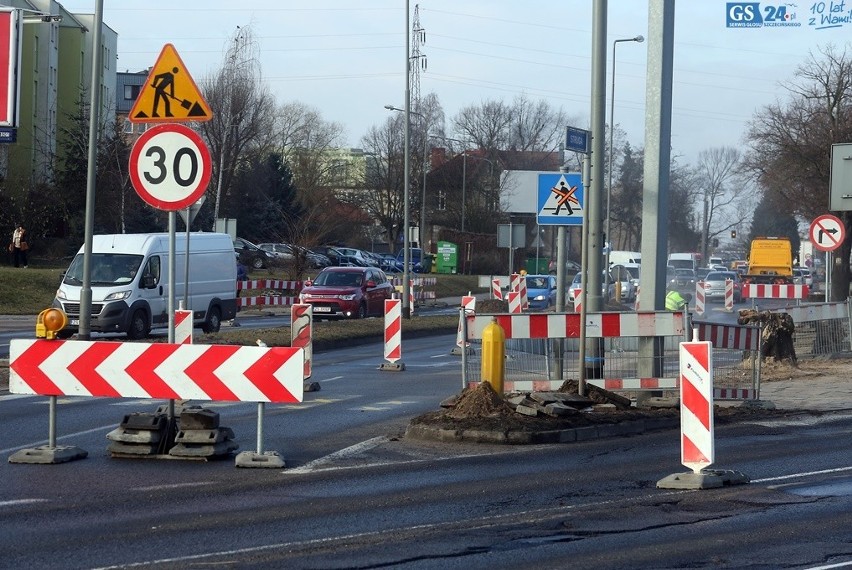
x: 174, y: 486
x: 803, y: 474
x: 68, y: 436
x: 21, y: 502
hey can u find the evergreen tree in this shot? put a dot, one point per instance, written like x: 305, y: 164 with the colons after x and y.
x: 772, y: 219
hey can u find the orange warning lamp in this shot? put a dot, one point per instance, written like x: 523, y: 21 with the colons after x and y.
x: 49, y: 322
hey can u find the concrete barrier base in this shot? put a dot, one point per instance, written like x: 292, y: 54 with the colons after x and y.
x: 265, y: 460
x: 706, y: 479
x: 392, y: 366
x: 45, y: 454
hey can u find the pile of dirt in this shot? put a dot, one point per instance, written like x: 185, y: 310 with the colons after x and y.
x: 479, y: 402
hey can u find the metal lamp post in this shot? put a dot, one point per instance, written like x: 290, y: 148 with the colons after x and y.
x: 637, y: 39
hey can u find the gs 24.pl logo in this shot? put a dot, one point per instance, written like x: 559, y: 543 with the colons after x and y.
x: 751, y: 15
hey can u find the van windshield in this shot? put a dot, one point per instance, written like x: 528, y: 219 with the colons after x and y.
x: 107, y: 269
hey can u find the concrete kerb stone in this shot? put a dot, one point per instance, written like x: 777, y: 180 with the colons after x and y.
x: 517, y: 437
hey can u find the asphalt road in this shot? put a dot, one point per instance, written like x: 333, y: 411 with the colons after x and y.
x: 357, y: 494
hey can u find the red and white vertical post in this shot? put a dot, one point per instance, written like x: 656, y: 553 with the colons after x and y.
x: 578, y: 300
x: 393, y: 335
x: 515, y: 302
x: 468, y: 303
x: 697, y: 449
x: 496, y: 291
x: 729, y: 294
x: 699, y: 297
x: 183, y: 326
x: 411, y: 295
x: 301, y: 333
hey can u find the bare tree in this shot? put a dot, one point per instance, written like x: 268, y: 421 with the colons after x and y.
x: 790, y: 142
x: 244, y: 111
x: 384, y: 201
x: 722, y: 202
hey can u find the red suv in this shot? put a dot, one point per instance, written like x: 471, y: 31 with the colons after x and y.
x: 348, y: 292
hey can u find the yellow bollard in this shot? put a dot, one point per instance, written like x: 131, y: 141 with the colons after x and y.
x: 493, y: 355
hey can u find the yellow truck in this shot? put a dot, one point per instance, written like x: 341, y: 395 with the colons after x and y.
x: 770, y: 261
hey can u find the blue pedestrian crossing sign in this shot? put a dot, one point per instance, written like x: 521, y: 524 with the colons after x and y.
x: 561, y: 199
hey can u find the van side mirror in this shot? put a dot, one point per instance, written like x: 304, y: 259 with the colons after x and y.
x: 147, y: 281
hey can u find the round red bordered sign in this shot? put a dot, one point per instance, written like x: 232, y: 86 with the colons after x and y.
x: 827, y: 232
x: 170, y: 166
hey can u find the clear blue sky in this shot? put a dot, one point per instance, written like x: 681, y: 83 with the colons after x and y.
x: 347, y: 58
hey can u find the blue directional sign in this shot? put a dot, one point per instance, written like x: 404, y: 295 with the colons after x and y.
x: 561, y: 199
x: 577, y: 140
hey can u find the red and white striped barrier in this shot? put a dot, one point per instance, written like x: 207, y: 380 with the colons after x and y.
x: 393, y: 330
x: 696, y: 405
x: 770, y: 291
x: 514, y: 281
x: 183, y: 327
x: 158, y: 371
x: 267, y: 301
x: 411, y: 296
x: 636, y: 302
x: 729, y: 294
x: 729, y: 336
x: 496, y: 291
x: 567, y: 325
x: 699, y: 297
x: 611, y: 384
x: 515, y: 302
x: 416, y: 288
x: 282, y: 285
x: 301, y: 333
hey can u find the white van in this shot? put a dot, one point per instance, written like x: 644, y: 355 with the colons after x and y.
x: 130, y: 282
x: 625, y: 257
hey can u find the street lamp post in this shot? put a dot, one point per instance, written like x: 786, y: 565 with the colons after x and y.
x: 637, y: 39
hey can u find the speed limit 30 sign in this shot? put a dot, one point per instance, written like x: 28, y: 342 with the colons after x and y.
x: 170, y: 166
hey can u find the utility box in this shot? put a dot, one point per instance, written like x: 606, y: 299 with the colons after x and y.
x: 537, y: 265
x: 447, y: 260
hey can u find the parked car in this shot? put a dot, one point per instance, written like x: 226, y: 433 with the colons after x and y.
x: 365, y: 258
x: 389, y: 264
x: 541, y: 291
x: 281, y: 252
x: 250, y: 255
x: 354, y: 292
x: 714, y: 285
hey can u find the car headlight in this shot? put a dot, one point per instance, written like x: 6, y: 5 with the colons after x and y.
x: 117, y: 296
x: 538, y: 298
x: 349, y: 297
x: 60, y: 294
x: 302, y: 297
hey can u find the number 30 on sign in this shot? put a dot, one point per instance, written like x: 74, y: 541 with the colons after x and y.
x: 170, y: 166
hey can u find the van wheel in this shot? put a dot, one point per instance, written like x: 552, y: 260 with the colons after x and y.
x: 213, y: 322
x: 138, y: 326
x: 257, y: 263
x: 362, y: 311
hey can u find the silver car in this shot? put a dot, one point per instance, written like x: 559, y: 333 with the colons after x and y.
x: 714, y: 285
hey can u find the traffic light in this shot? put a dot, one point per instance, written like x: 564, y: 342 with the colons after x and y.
x: 733, y: 233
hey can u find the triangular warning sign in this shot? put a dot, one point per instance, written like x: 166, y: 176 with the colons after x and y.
x: 563, y: 200
x: 169, y: 94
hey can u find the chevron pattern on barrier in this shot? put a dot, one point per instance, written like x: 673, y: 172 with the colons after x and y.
x: 769, y: 291
x: 159, y: 371
x: 567, y: 325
